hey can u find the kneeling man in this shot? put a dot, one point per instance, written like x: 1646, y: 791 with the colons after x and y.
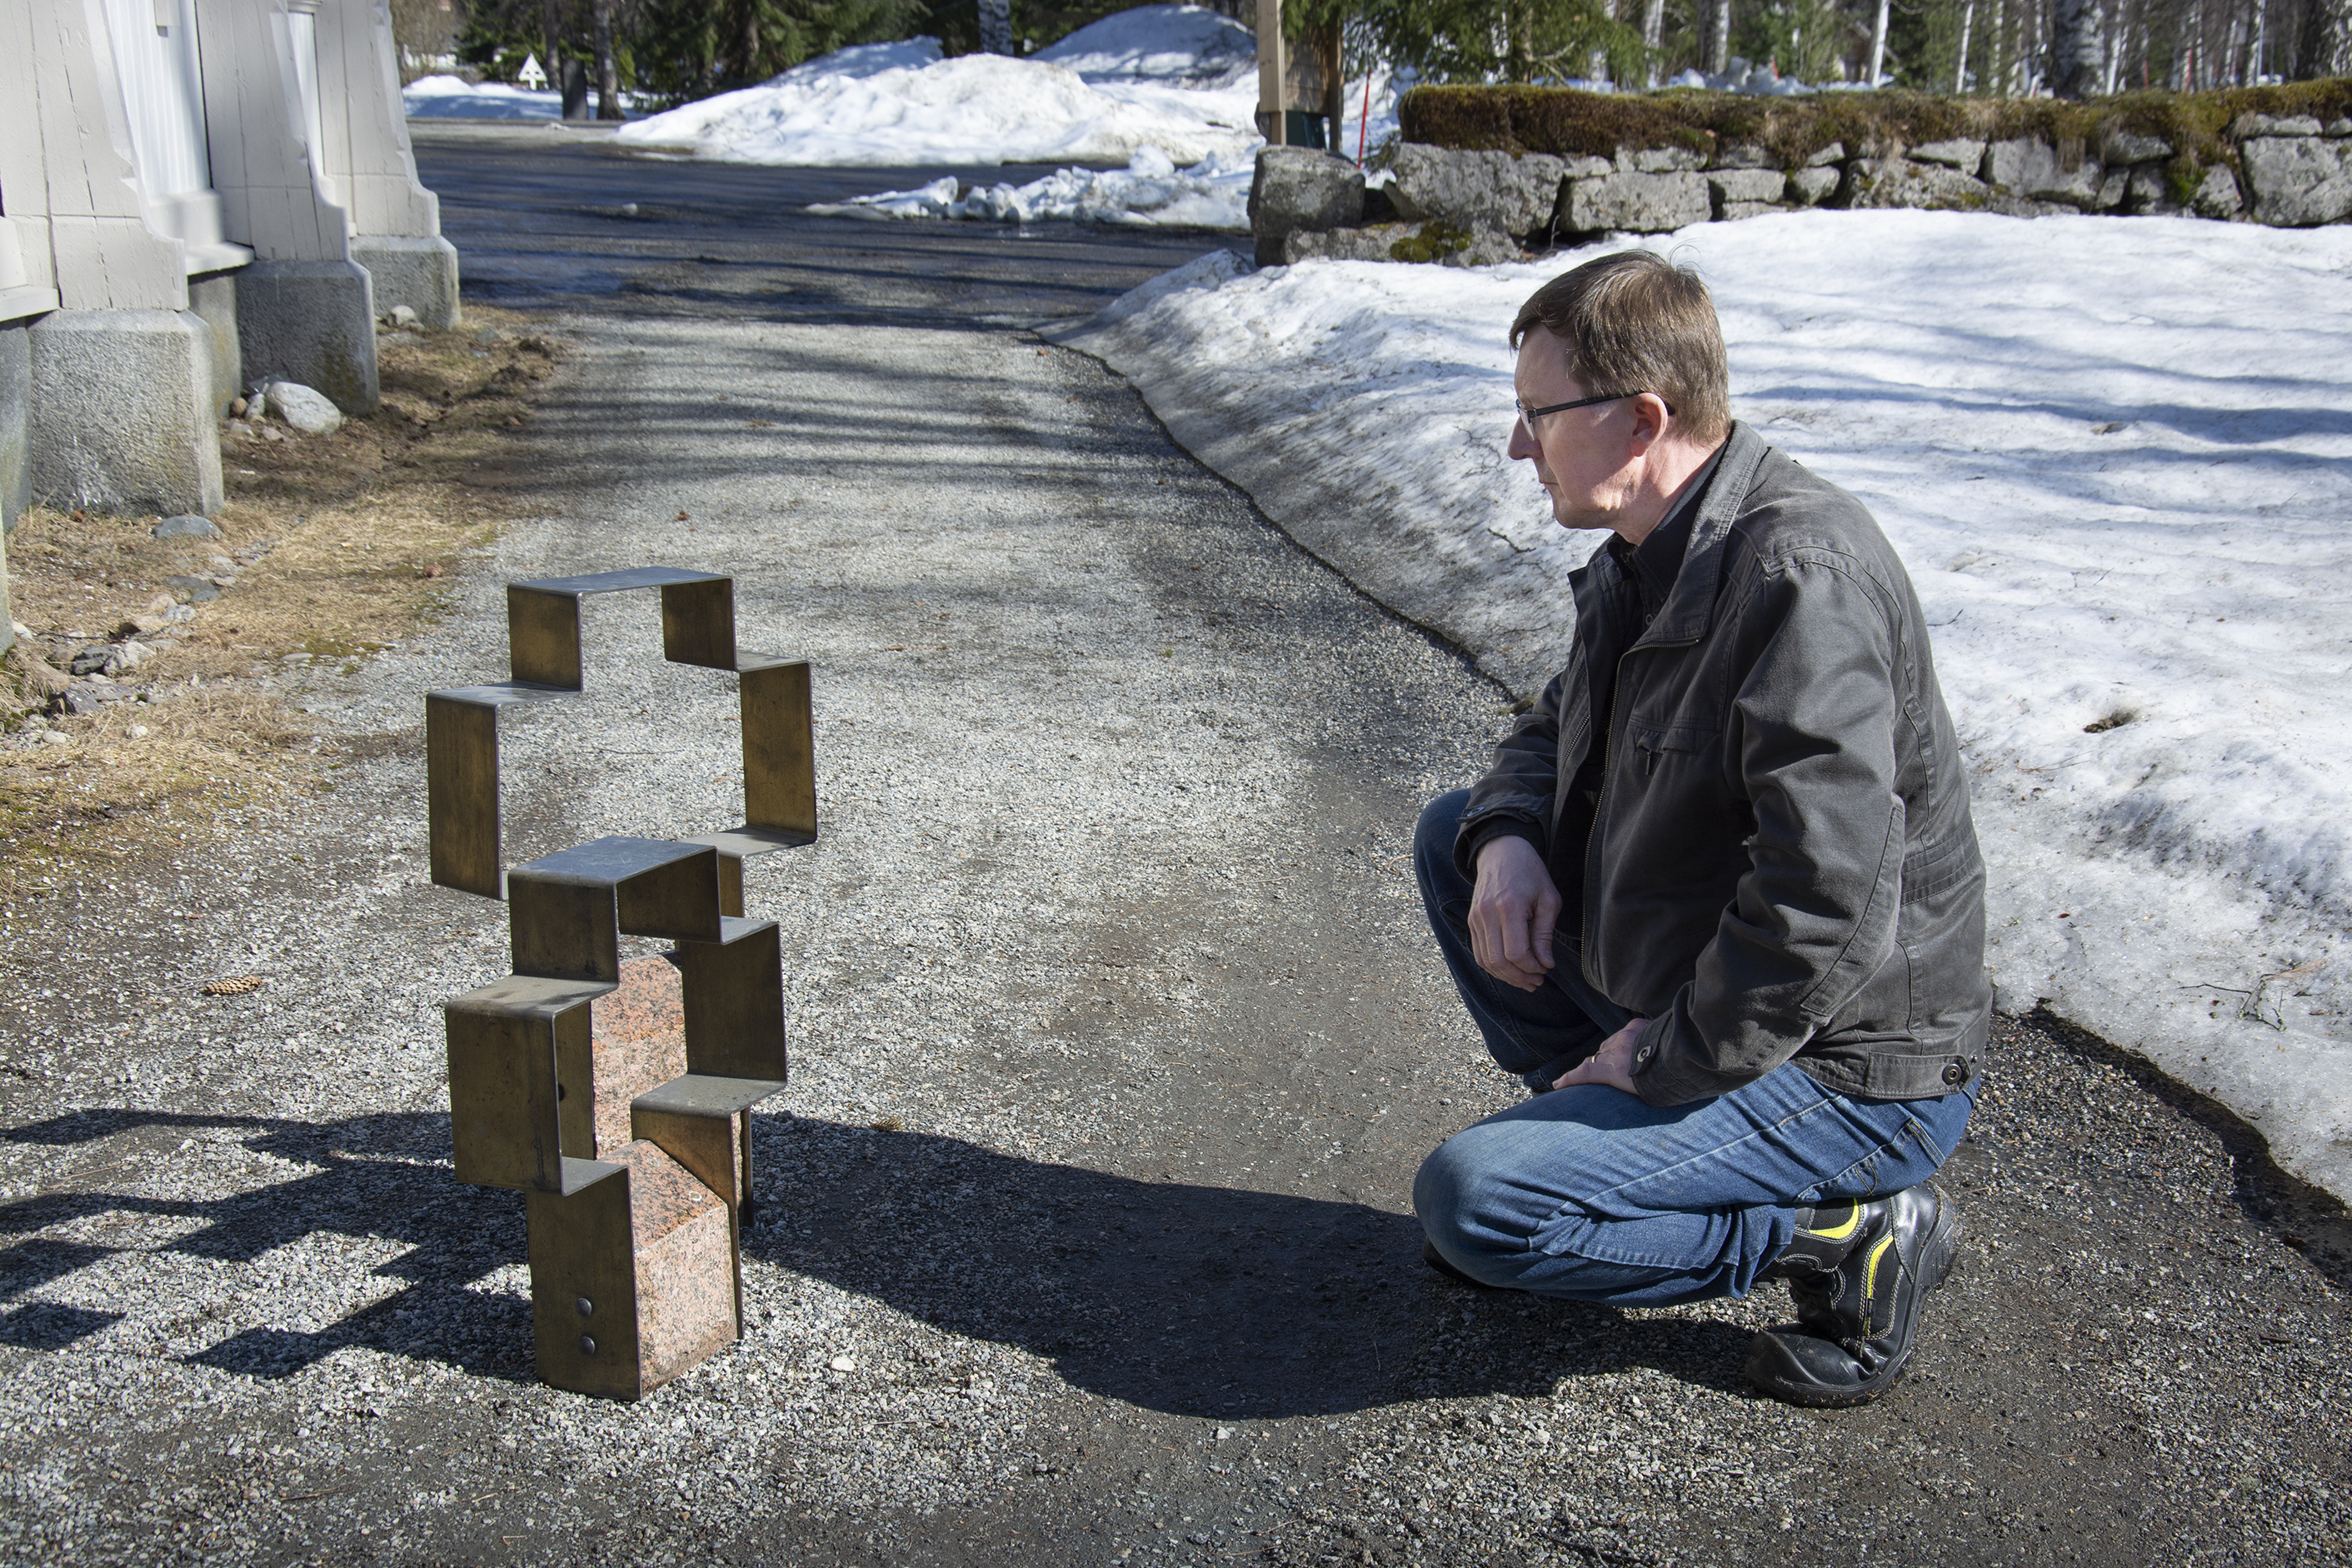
x: 1717, y: 902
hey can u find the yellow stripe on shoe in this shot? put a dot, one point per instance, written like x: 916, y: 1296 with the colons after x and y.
x: 1870, y: 1272
x: 1839, y: 1232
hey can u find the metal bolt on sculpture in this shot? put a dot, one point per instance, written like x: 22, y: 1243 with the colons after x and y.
x: 635, y: 1246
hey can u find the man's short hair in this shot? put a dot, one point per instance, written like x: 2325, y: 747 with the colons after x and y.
x: 1635, y: 323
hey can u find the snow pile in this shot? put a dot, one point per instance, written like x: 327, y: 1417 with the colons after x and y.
x: 910, y: 108
x: 2118, y: 456
x: 1150, y: 192
x: 453, y: 98
x: 1177, y: 46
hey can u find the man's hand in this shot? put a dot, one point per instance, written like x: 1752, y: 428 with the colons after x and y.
x: 1513, y: 912
x: 1613, y: 1064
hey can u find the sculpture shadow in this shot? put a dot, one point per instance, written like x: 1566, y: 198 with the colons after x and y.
x: 1191, y: 1300
x: 1185, y: 1298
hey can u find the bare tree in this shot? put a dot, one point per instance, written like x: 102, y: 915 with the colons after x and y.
x: 2326, y: 42
x: 1878, y: 44
x: 1718, y: 36
x: 1653, y: 34
x: 2077, y: 47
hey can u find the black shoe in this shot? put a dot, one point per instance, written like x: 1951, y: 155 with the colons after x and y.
x: 1436, y: 1259
x: 1858, y: 1275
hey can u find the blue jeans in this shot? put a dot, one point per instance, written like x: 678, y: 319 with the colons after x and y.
x: 1590, y: 1193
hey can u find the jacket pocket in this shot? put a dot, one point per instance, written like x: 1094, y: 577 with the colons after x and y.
x: 1654, y: 743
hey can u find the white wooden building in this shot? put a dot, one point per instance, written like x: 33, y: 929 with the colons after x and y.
x: 195, y: 195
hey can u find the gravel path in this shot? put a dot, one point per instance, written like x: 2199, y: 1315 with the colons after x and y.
x: 1117, y: 1041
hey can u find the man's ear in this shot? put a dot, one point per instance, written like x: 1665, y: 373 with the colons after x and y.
x: 1651, y: 417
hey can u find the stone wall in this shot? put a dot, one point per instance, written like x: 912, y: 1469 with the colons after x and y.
x: 1475, y: 207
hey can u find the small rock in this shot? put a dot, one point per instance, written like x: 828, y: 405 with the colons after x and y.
x: 1744, y: 155
x: 1832, y: 153
x: 1658, y: 160
x: 236, y: 408
x: 186, y: 525
x: 178, y: 615
x: 2130, y: 147
x: 56, y: 737
x: 1641, y: 204
x: 843, y: 1364
x: 270, y: 433
x: 138, y: 732
x: 1298, y: 189
x: 160, y: 605
x: 97, y: 660
x: 75, y: 698
x: 1806, y: 186
x: 239, y: 428
x: 131, y: 654
x: 402, y: 316
x: 1961, y: 153
x: 309, y: 411
x: 2217, y: 194
x: 1737, y: 186
x: 2251, y: 124
x: 200, y: 590
x: 256, y: 404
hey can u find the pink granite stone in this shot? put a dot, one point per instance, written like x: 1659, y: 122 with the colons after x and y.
x: 640, y: 1043
x: 684, y: 1248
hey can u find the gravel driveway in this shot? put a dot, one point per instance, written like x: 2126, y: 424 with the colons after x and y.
x: 1117, y: 1041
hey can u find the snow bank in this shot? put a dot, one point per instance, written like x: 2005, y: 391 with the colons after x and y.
x: 453, y: 98
x: 2118, y: 456
x: 1180, y: 46
x: 1150, y: 192
x: 912, y: 107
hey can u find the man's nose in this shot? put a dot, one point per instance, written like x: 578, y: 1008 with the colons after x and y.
x: 1522, y: 444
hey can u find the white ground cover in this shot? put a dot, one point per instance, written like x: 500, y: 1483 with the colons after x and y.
x: 453, y: 98
x: 901, y: 106
x: 2116, y: 455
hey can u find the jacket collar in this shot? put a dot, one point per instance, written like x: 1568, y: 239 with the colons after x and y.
x: 1690, y: 607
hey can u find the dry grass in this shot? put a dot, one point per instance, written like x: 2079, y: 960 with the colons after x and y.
x: 352, y: 540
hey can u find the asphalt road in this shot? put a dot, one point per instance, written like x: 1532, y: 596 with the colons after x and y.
x: 1117, y: 1041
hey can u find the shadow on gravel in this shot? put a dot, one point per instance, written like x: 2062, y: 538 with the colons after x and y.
x: 377, y: 1178
x: 1192, y: 1300
x: 1189, y: 1299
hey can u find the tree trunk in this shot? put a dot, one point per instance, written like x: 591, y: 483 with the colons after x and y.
x: 996, y: 26
x: 1718, y: 40
x: 1653, y: 36
x: 1878, y: 45
x: 2251, y: 73
x: 608, y: 68
x: 2078, y: 48
x: 1519, y: 41
x: 1329, y: 47
x: 1960, y: 69
x: 2326, y: 43
x: 551, y: 56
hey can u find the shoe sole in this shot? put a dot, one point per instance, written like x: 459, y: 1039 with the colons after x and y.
x: 1937, y: 1256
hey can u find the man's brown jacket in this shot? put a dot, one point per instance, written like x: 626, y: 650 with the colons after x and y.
x: 1780, y: 862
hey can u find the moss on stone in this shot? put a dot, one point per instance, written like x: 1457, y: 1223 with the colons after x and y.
x: 1433, y: 241
x: 1568, y: 123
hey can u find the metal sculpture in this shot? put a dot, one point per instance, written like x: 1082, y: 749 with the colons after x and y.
x: 635, y: 1248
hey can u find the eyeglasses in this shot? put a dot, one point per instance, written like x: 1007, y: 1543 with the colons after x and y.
x: 1528, y: 417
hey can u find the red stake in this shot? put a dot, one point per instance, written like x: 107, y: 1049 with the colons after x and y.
x: 1364, y: 122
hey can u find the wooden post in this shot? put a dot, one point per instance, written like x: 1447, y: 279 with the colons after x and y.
x: 1272, y: 71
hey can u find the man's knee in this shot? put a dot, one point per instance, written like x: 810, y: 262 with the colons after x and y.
x: 1462, y: 1196
x: 1432, y: 839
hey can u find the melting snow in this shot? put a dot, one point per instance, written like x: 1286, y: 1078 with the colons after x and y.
x: 2116, y: 453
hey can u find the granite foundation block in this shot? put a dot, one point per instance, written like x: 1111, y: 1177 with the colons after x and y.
x: 311, y: 323
x: 632, y: 1276
x: 15, y: 431
x: 420, y: 273
x: 122, y: 412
